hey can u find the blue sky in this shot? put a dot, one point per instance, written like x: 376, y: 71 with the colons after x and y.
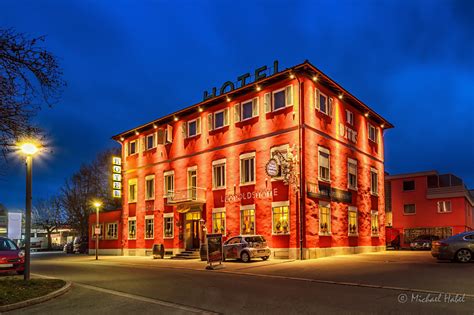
x: 128, y: 62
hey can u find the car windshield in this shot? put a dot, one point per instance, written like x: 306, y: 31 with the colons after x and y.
x: 254, y: 239
x: 7, y: 245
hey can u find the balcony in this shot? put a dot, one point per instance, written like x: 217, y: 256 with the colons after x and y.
x: 192, y: 195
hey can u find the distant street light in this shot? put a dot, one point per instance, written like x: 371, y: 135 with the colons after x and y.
x: 28, y: 149
x: 97, y: 205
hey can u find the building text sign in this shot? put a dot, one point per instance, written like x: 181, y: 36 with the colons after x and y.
x: 328, y: 192
x: 116, y: 177
x: 256, y: 194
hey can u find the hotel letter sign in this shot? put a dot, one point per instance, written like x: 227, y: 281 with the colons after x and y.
x: 116, y: 177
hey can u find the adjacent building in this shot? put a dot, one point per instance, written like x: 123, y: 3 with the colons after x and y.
x: 427, y: 203
x: 290, y: 155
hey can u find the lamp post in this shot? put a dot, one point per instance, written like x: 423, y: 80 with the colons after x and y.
x: 97, y: 205
x: 28, y: 149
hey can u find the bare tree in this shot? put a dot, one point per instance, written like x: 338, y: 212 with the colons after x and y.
x: 29, y: 77
x: 48, y: 215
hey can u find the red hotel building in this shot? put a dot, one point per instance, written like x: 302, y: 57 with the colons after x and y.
x: 206, y: 167
x: 427, y: 203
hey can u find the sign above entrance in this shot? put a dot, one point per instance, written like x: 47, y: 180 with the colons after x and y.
x: 328, y: 192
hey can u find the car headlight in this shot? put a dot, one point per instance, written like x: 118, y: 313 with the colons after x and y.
x: 21, y: 254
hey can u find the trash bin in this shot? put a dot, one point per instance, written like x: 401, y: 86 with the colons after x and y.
x: 203, y: 252
x: 158, y: 251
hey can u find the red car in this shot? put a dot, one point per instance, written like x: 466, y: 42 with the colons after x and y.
x: 11, y: 257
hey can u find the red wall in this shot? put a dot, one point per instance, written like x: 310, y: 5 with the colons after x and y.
x: 104, y: 218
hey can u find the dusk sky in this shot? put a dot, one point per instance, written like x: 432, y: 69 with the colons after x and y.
x: 129, y: 62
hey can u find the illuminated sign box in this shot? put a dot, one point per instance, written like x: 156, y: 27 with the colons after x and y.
x: 116, y: 177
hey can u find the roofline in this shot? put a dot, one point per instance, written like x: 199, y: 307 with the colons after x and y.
x: 218, y: 99
x: 415, y: 174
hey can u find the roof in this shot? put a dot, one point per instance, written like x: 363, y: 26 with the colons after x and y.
x: 306, y: 69
x: 414, y: 174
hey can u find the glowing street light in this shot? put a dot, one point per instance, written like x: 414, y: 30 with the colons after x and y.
x: 97, y: 205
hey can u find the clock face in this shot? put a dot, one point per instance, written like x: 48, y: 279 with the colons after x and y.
x: 272, y: 168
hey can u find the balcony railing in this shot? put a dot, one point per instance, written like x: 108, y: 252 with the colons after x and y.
x: 192, y: 194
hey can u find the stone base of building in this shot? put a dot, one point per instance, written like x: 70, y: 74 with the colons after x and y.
x: 312, y: 253
x: 107, y: 252
x: 149, y: 252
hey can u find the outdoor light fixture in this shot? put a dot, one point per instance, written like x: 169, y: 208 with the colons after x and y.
x: 258, y: 88
x: 175, y: 118
x: 292, y: 76
x: 382, y: 126
x: 29, y: 148
x: 200, y: 109
x: 122, y: 138
x: 136, y: 133
x: 315, y: 78
x: 155, y: 126
x: 366, y: 114
x: 340, y: 96
x: 227, y: 99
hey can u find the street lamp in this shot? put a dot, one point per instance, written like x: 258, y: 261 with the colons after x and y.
x: 28, y: 149
x: 97, y: 205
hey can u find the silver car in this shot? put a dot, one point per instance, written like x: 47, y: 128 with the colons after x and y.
x: 459, y: 247
x: 246, y: 247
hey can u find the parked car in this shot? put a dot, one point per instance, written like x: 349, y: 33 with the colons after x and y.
x: 68, y: 248
x: 12, y: 258
x: 459, y: 247
x: 246, y: 247
x: 81, y: 245
x: 423, y: 242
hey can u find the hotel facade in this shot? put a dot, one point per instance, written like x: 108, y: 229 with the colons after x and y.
x: 290, y: 155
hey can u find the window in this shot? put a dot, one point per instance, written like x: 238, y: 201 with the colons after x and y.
x: 374, y: 181
x: 278, y: 99
x: 247, y: 168
x: 374, y: 219
x: 323, y: 103
x: 150, y: 141
x: 324, y: 164
x: 101, y: 227
x: 353, y: 227
x: 349, y: 117
x: 149, y: 227
x: 280, y: 154
x: 218, y: 174
x: 168, y: 225
x: 372, y: 133
x: 132, y: 228
x: 132, y: 190
x: 444, y: 206
x: 409, y: 209
x: 218, y: 221
x: 408, y: 185
x: 352, y: 174
x: 132, y: 147
x: 324, y: 218
x: 192, y: 182
x: 169, y: 183
x: 247, y: 220
x: 150, y: 187
x: 250, y: 109
x: 112, y: 231
x: 192, y: 128
x: 281, y: 217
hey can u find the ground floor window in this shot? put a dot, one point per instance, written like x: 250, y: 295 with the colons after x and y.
x: 353, y: 226
x: 112, y: 231
x: 101, y: 227
x: 168, y: 225
x: 149, y: 228
x: 374, y: 219
x: 281, y: 218
x: 132, y: 229
x: 218, y: 221
x: 247, y: 221
x: 324, y: 218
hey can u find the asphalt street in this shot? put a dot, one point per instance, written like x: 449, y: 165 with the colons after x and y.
x: 401, y: 282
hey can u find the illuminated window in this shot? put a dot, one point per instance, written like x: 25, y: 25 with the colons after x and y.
x: 169, y: 183
x: 132, y: 147
x: 374, y: 219
x: 247, y: 168
x: 374, y: 181
x: 149, y: 227
x: 324, y: 164
x: 409, y: 209
x: 101, y: 231
x: 353, y: 227
x: 132, y: 228
x: 218, y: 174
x: 408, y: 185
x: 349, y: 117
x: 168, y: 225
x: 444, y: 206
x: 112, y: 231
x: 372, y: 133
x: 247, y: 221
x: 218, y: 221
x: 281, y: 218
x: 352, y: 174
x: 132, y: 190
x: 150, y: 187
x: 324, y: 218
x: 150, y: 141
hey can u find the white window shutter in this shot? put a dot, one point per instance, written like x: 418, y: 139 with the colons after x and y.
x: 142, y: 144
x: 330, y: 107
x: 210, y: 123
x: 226, y: 117
x: 155, y: 140
x: 289, y: 95
x: 236, y: 113
x: 316, y: 99
x: 169, y: 133
x: 255, y: 107
x: 198, y: 126
x: 267, y: 100
x: 184, y: 128
x: 160, y: 137
x: 125, y: 147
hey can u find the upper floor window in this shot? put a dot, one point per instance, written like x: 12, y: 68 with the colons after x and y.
x: 349, y: 117
x: 132, y: 190
x: 132, y: 147
x: 409, y: 208
x: 323, y: 103
x: 150, y: 141
x: 218, y: 119
x: 168, y: 183
x: 408, y: 185
x: 150, y: 187
x: 444, y: 206
x: 324, y: 164
x: 372, y: 132
x: 351, y: 174
x: 218, y: 174
x: 374, y: 181
x: 247, y: 168
x: 193, y: 127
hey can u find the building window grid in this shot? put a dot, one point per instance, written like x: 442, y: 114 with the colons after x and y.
x: 444, y: 206
x: 409, y: 209
x: 218, y: 222
x: 324, y: 219
x: 353, y: 227
x: 374, y: 182
x: 324, y: 165
x: 374, y: 223
x: 150, y: 187
x: 112, y: 231
x: 132, y: 190
x: 149, y: 228
x: 101, y: 235
x: 150, y: 141
x: 372, y: 133
x: 352, y: 174
x: 281, y: 220
x: 247, y: 169
x: 168, y: 184
x: 168, y: 226
x: 218, y: 175
x: 247, y: 221
x: 132, y: 229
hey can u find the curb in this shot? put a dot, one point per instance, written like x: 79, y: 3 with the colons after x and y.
x: 37, y: 300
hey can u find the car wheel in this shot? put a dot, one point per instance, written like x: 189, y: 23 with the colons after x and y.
x: 265, y: 258
x: 463, y: 255
x: 245, y: 257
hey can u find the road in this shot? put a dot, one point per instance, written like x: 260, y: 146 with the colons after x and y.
x: 407, y: 282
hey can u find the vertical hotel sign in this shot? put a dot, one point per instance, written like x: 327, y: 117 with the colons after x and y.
x: 116, y: 177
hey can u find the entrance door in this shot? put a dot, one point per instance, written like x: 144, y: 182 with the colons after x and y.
x: 193, y: 230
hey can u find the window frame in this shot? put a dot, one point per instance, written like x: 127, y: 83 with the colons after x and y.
x: 374, y: 213
x: 132, y: 182
x: 214, y: 119
x: 409, y: 204
x: 219, y: 211
x: 132, y: 219
x: 248, y: 208
x: 153, y: 137
x: 147, y: 179
x: 166, y: 190
x: 407, y: 181
x: 326, y: 151
x: 324, y: 204
x: 281, y: 204
x: 242, y: 109
x: 187, y: 128
x: 102, y: 231
x: 349, y: 117
x: 352, y: 209
x: 372, y: 191
x: 248, y: 156
x: 107, y: 231
x: 285, y: 97
x: 168, y: 216
x: 147, y: 218
x: 318, y: 95
x: 444, y: 202
x: 370, y: 126
x: 353, y: 162
x: 130, y: 147
x: 219, y: 163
